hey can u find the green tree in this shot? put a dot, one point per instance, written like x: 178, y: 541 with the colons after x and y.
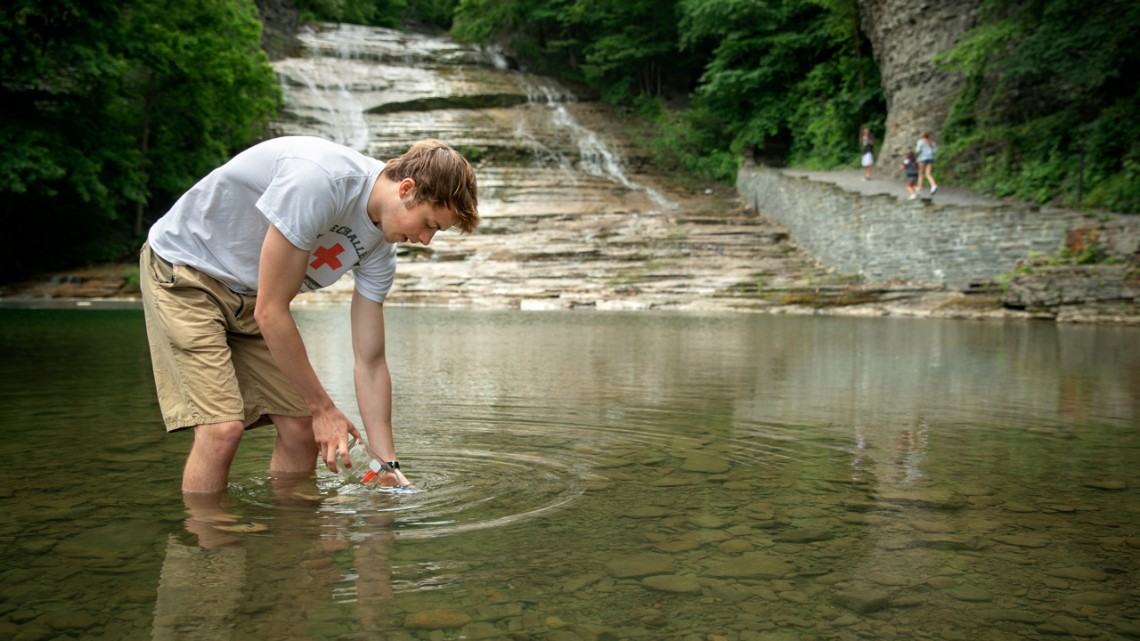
x: 112, y: 109
x: 379, y: 13
x: 620, y: 49
x: 1051, y: 107
x: 197, y: 86
x: 787, y: 80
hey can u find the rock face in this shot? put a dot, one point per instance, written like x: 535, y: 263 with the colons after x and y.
x: 906, y: 36
x: 279, y: 28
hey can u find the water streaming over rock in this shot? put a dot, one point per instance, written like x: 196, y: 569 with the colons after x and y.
x: 573, y: 214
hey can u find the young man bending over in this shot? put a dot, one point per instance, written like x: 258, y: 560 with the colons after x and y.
x: 219, y: 271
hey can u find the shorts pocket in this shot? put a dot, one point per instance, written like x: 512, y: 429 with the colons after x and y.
x: 162, y: 272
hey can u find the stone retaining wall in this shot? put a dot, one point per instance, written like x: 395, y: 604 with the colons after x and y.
x: 931, y: 243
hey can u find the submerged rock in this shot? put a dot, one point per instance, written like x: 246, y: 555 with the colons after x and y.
x: 639, y: 565
x: 752, y: 565
x: 671, y: 583
x: 443, y: 619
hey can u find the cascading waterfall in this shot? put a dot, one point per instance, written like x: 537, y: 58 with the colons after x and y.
x: 343, y: 120
x: 379, y: 90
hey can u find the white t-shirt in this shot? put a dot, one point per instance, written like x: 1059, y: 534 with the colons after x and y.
x: 315, y: 192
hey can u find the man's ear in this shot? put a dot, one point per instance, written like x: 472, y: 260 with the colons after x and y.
x: 407, y: 188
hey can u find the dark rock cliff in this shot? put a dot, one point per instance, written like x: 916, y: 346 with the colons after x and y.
x: 905, y: 37
x: 279, y: 28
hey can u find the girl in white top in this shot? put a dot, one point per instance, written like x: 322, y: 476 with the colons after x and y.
x: 925, y: 150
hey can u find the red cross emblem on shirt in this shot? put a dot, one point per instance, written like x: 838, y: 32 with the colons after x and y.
x: 328, y: 256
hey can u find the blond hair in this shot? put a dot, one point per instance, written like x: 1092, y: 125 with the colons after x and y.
x: 443, y: 178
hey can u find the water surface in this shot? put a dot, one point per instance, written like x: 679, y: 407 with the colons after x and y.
x: 587, y: 475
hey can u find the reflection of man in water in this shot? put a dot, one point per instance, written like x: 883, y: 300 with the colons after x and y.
x: 220, y: 269
x: 911, y: 452
x: 233, y: 585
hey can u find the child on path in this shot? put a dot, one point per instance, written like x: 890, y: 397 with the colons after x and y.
x: 910, y: 166
x: 867, y: 140
x: 218, y: 273
x: 925, y: 149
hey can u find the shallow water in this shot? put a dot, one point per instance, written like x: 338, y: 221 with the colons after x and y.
x: 597, y: 476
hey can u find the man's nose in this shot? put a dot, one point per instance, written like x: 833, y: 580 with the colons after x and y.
x: 425, y: 237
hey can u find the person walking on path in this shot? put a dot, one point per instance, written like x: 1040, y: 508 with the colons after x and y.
x: 910, y: 166
x: 925, y: 151
x: 867, y: 141
x: 218, y: 273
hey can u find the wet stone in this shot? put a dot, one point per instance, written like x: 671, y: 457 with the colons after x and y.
x: 950, y: 542
x: 577, y: 583
x: 1021, y: 540
x: 113, y: 541
x: 929, y: 498
x: 845, y: 620
x: 680, y: 545
x: 1128, y: 628
x: 1096, y: 598
x: 1068, y: 625
x: 1016, y: 616
x: 480, y: 630
x: 806, y: 512
x: 648, y: 512
x: 728, y: 593
x: 777, y: 635
x: 832, y: 578
x: 1078, y: 573
x: 970, y: 593
x: 862, y: 599
x: 706, y: 464
x: 707, y: 521
x: 794, y: 596
x: 907, y: 601
x: 73, y: 621
x: 888, y: 579
x: 436, y: 620
x: 942, y: 582
x: 671, y: 583
x: 1107, y: 485
x: 752, y: 565
x: 804, y: 535
x: 640, y: 565
x: 673, y: 481
x: 735, y: 546
x: 930, y: 527
x: 974, y: 490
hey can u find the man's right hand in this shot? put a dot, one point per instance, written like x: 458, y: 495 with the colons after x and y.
x: 331, y: 431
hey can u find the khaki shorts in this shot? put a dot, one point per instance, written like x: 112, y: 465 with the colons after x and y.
x: 211, y: 364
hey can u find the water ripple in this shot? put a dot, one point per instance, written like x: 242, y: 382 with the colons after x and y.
x: 455, y: 492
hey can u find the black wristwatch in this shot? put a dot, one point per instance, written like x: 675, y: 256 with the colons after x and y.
x: 391, y: 465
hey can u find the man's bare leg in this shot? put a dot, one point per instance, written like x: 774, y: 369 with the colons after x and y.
x: 208, y: 465
x: 295, y: 451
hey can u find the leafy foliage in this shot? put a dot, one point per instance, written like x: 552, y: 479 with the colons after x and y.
x: 113, y: 109
x: 379, y: 13
x: 758, y: 75
x: 1049, y: 113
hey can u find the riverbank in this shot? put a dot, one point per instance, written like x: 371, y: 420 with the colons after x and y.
x: 1052, y: 263
x: 708, y: 252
